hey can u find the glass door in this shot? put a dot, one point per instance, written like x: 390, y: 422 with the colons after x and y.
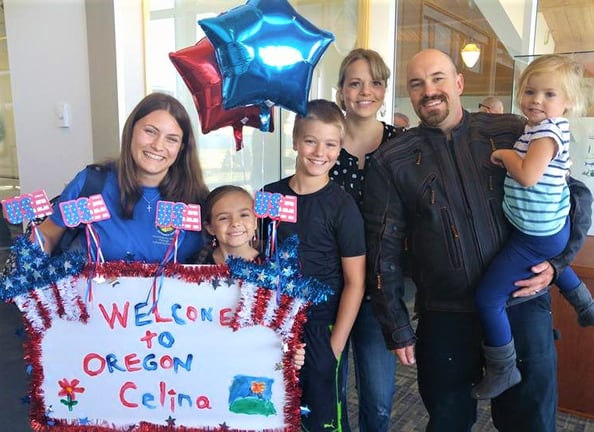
x: 9, y: 175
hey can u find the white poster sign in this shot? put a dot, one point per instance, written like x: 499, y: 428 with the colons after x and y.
x: 145, y: 353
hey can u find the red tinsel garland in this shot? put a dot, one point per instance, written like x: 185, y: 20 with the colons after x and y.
x: 197, y: 274
x: 42, y: 310
x: 59, y: 300
x: 263, y: 296
x: 282, y: 311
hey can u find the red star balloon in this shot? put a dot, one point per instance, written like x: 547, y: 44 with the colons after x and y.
x: 198, y: 67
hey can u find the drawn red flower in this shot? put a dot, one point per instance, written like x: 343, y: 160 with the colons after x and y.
x: 70, y: 388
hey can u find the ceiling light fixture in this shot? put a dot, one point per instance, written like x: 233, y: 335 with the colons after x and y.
x: 470, y: 54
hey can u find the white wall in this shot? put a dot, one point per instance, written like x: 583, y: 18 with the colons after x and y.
x: 65, y: 51
x: 47, y: 49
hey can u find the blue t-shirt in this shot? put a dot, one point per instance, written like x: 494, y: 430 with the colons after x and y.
x: 135, y: 239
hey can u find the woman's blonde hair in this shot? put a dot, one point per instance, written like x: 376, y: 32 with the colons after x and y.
x: 570, y: 74
x: 379, y: 70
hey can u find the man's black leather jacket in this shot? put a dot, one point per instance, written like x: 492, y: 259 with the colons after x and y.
x: 439, y: 201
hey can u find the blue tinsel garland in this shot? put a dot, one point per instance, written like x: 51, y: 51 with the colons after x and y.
x: 33, y: 268
x: 281, y: 273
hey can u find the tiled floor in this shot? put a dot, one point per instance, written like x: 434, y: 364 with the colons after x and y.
x: 409, y: 414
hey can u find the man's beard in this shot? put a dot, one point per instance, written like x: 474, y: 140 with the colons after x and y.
x: 435, y: 117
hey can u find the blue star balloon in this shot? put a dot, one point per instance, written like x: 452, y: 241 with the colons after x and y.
x: 266, y: 52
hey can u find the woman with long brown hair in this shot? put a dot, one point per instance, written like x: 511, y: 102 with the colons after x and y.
x: 158, y: 161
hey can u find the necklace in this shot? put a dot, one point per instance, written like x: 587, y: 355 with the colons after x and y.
x: 149, y: 202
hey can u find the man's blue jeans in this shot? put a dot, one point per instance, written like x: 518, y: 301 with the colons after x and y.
x: 375, y: 367
x: 449, y: 362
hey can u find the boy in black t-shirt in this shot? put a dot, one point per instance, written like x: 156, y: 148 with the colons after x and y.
x: 331, y: 249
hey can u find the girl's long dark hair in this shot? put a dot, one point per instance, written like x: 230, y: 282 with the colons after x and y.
x: 184, y: 181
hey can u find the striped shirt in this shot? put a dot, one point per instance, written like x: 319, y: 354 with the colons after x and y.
x: 542, y: 209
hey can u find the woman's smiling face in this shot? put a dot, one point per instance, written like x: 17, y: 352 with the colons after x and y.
x: 156, y: 142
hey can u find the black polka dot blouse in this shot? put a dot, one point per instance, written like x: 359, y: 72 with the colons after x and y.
x: 346, y: 171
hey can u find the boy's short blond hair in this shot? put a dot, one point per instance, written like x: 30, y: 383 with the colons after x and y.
x: 322, y: 110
